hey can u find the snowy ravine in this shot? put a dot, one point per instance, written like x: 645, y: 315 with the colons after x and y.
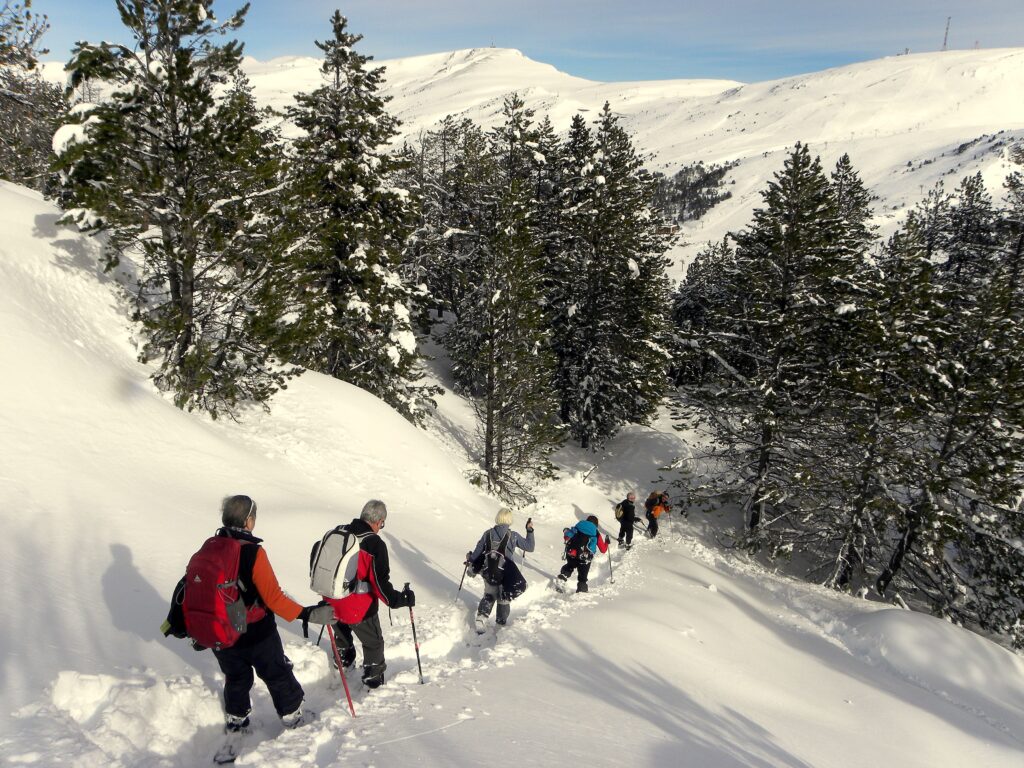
x: 690, y: 657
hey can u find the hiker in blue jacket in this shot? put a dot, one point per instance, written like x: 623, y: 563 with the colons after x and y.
x: 492, y: 558
x: 582, y: 542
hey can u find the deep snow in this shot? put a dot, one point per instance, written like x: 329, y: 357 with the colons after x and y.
x: 691, y: 657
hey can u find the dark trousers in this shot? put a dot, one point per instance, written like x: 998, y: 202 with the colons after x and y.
x: 269, y: 662
x: 574, y: 564
x: 370, y: 637
x: 652, y: 525
x: 626, y: 530
x: 492, y: 593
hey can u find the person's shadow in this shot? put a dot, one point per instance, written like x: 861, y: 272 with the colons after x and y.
x: 136, y: 607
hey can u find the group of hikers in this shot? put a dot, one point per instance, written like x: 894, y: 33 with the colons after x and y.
x: 229, y: 595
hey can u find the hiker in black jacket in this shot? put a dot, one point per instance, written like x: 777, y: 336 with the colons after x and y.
x: 510, y: 583
x: 357, y: 613
x: 626, y: 514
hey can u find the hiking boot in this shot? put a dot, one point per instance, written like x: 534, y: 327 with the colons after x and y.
x: 582, y: 587
x: 559, y: 583
x: 373, y: 677
x: 298, y: 718
x: 236, y: 723
x: 348, y: 657
x: 621, y: 541
x: 481, y: 624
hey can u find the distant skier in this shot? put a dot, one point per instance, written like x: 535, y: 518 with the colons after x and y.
x: 358, y: 612
x: 492, y: 559
x: 625, y: 512
x: 656, y: 505
x: 582, y: 542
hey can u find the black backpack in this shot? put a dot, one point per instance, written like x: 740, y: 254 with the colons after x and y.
x: 493, y: 569
x: 578, y: 546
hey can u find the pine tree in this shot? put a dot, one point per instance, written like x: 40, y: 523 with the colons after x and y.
x: 609, y: 302
x: 30, y: 108
x: 179, y: 179
x: 349, y: 226
x: 516, y: 412
x: 773, y: 332
x: 952, y: 542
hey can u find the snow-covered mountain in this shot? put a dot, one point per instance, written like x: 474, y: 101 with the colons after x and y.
x: 906, y: 121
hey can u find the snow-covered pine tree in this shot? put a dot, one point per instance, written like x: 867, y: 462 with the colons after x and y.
x: 30, y: 108
x: 953, y: 543
x: 349, y: 225
x: 178, y: 175
x: 447, y: 173
x: 609, y: 301
x: 30, y: 111
x: 20, y: 33
x: 773, y: 334
x: 513, y: 401
x: 498, y: 342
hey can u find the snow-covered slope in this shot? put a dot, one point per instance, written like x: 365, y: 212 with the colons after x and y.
x: 689, y: 657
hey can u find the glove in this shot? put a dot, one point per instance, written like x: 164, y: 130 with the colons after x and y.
x: 529, y: 524
x: 409, y: 596
x: 317, y: 614
x: 607, y: 541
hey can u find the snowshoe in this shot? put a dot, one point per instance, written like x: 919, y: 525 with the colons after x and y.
x: 481, y: 624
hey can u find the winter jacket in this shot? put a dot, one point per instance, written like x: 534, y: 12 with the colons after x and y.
x: 628, y: 511
x: 374, y: 568
x: 587, y: 528
x: 656, y: 505
x: 514, y: 541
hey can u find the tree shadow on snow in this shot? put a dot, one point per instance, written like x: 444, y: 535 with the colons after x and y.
x: 72, y: 254
x: 698, y: 735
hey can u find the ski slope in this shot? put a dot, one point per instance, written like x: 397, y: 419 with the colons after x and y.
x: 690, y: 657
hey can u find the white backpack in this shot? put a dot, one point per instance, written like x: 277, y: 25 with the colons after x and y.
x: 333, y: 564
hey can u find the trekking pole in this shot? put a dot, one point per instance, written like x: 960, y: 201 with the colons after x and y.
x: 320, y: 636
x: 464, y: 571
x: 412, y: 620
x: 341, y: 668
x: 611, y: 571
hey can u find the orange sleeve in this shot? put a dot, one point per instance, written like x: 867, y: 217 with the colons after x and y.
x: 271, y: 594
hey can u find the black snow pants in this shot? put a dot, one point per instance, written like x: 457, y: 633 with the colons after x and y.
x: 582, y: 572
x: 267, y: 658
x: 626, y: 530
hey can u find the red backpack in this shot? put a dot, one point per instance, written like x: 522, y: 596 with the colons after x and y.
x: 215, y: 614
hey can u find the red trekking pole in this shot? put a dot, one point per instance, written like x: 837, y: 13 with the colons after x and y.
x: 341, y: 668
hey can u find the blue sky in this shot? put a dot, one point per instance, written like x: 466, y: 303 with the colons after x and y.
x: 747, y: 40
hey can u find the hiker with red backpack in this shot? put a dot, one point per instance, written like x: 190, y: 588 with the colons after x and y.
x: 582, y: 541
x: 492, y: 559
x: 227, y: 602
x: 356, y: 613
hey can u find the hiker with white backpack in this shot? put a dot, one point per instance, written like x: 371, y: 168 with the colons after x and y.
x: 350, y: 568
x: 492, y: 559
